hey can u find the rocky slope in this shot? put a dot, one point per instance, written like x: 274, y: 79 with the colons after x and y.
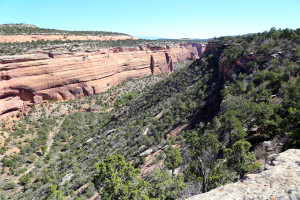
x: 279, y: 180
x: 32, y: 78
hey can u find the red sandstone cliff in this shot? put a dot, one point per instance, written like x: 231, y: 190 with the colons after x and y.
x: 27, y: 79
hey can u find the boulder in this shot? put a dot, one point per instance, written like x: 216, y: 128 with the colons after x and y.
x: 146, y: 153
x: 65, y: 179
x: 37, y: 99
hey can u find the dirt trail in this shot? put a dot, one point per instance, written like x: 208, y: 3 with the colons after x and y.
x: 95, y: 196
x: 30, y: 168
x: 11, y: 151
x: 174, y: 133
x: 48, y: 144
x: 52, y: 134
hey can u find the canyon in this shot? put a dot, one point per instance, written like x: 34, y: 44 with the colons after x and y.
x: 33, y: 78
x: 213, y: 111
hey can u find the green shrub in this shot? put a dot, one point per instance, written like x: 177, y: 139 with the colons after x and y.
x: 9, y: 186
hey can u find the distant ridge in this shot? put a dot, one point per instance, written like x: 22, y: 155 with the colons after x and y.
x: 186, y: 39
x: 28, y: 29
x: 168, y: 39
x: 20, y: 25
x: 148, y: 37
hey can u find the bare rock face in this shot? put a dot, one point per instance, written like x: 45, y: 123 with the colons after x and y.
x: 212, y: 45
x: 23, y: 58
x: 33, y: 78
x: 279, y: 180
x: 10, y: 104
x: 224, y: 70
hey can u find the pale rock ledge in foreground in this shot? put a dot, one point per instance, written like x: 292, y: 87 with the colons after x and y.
x: 279, y: 180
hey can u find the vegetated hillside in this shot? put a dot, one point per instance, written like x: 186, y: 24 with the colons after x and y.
x: 26, y: 29
x: 203, y: 122
x: 69, y: 46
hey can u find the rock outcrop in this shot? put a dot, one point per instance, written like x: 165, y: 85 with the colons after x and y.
x: 211, y: 45
x: 279, y: 180
x: 23, y: 58
x: 33, y: 78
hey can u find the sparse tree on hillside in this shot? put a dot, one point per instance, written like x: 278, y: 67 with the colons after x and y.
x: 44, y: 149
x: 173, y: 158
x: 54, y: 194
x: 166, y: 186
x: 117, y: 179
x: 204, y: 164
x: 240, y: 159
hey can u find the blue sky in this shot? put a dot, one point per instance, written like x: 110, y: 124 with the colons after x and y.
x: 163, y: 18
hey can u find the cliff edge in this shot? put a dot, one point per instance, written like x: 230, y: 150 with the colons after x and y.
x: 279, y: 180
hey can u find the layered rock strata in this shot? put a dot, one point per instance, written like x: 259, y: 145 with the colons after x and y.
x: 27, y: 79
